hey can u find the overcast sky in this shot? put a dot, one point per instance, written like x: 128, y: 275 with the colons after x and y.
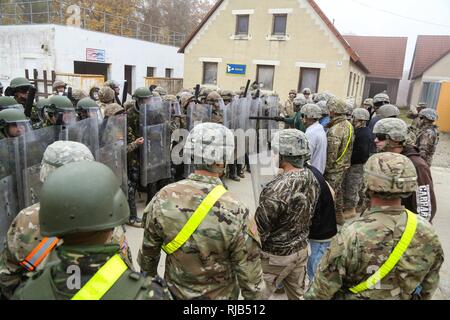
x: 369, y: 18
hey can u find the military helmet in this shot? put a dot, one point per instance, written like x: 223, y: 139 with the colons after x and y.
x: 429, y: 114
x: 381, y: 97
x: 162, y: 92
x: 306, y: 91
x: 142, y: 93
x: 395, y: 128
x: 323, y: 96
x: 113, y: 109
x: 61, y: 153
x: 185, y: 99
x: 106, y: 95
x: 112, y: 84
x: 10, y: 116
x: 422, y: 105
x: 78, y: 94
x: 19, y: 83
x: 210, y: 143
x: 337, y: 106
x: 391, y: 174
x: 213, y: 97
x: 42, y: 103
x: 311, y: 111
x: 60, y: 102
x: 81, y: 197
x: 291, y: 143
x: 361, y: 114
x: 59, y: 83
x: 349, y: 105
x: 86, y: 104
x: 368, y: 102
x: 300, y: 101
x: 388, y: 111
x: 9, y: 103
x: 226, y: 94
x: 170, y: 98
x: 293, y: 91
x: 323, y: 107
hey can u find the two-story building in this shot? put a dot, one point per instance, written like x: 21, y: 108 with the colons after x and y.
x: 285, y: 44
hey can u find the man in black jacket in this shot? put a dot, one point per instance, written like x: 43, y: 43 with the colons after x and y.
x: 353, y: 180
x: 323, y: 225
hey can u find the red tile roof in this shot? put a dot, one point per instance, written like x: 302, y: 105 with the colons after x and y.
x: 384, y: 56
x: 354, y: 56
x: 429, y: 50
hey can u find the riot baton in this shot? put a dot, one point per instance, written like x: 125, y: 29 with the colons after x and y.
x: 30, y: 100
x: 124, y: 93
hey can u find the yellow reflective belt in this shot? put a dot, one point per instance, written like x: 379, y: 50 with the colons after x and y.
x: 103, y: 280
x: 394, y: 257
x: 348, y: 143
x: 195, y: 220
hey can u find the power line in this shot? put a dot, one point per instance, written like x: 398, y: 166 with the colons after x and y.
x: 400, y: 15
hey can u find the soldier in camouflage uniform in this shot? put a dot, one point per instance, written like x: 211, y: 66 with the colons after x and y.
x: 222, y: 256
x: 13, y: 123
x: 391, y: 135
x: 364, y: 245
x: 213, y: 99
x: 115, y: 86
x: 141, y: 97
x: 106, y: 96
x: 340, y: 139
x: 59, y: 87
x: 413, y: 114
x: 84, y: 218
x: 24, y: 233
x: 428, y: 135
x: 296, y: 120
x: 284, y: 214
x: 288, y: 108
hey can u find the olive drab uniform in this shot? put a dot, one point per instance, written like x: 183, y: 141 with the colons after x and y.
x: 340, y: 137
x: 364, y: 244
x: 53, y: 282
x: 133, y: 156
x: 218, y: 259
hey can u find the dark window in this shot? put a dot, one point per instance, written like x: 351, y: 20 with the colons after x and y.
x: 151, y: 72
x: 169, y: 73
x: 242, y: 22
x: 210, y: 73
x: 349, y: 83
x: 309, y: 78
x: 279, y: 24
x: 265, y: 75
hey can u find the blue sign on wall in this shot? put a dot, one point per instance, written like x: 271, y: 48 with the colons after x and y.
x: 236, y: 68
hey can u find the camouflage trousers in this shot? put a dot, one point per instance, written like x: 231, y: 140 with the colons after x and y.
x: 352, y: 186
x: 335, y: 181
x: 288, y: 270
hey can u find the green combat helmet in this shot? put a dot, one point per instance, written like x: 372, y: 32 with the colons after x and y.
x: 72, y: 202
x: 361, y: 114
x: 396, y: 129
x: 390, y: 175
x: 13, y: 116
x: 62, y: 108
x: 429, y: 114
x: 88, y: 108
x: 388, y: 111
x: 60, y: 103
x: 9, y: 103
x: 208, y: 144
x: 311, y: 111
x: 142, y: 93
x: 337, y: 106
x: 290, y: 143
x: 17, y: 84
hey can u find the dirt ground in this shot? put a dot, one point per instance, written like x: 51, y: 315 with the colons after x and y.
x: 442, y: 155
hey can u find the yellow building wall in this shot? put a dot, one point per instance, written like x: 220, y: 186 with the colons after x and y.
x: 309, y: 41
x: 443, y: 108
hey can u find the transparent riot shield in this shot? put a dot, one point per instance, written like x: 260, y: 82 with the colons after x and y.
x: 9, y: 199
x: 255, y: 111
x: 228, y: 115
x: 30, y: 149
x: 243, y: 112
x: 198, y: 113
x: 113, y: 147
x: 272, y: 110
x: 155, y: 155
x: 85, y: 131
x: 263, y: 168
x: 155, y: 152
